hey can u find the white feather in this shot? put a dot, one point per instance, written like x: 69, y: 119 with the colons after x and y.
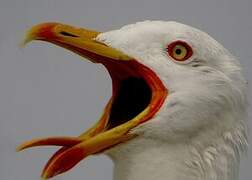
x: 200, y: 131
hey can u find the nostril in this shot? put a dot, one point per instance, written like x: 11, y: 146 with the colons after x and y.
x: 64, y: 33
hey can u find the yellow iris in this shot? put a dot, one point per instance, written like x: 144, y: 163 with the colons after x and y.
x: 179, y: 52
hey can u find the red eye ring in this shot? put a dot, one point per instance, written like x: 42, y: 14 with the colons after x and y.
x: 179, y: 50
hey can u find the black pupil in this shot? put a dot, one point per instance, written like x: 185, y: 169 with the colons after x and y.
x: 178, y: 51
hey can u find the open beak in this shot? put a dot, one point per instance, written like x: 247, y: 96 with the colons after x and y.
x: 137, y: 95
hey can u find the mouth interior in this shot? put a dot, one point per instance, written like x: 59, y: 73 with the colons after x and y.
x: 134, y: 86
x: 133, y: 96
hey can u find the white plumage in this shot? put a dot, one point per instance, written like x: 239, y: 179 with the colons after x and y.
x: 200, y: 131
x: 188, y: 124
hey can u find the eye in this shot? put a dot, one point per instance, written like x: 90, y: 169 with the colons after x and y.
x: 179, y: 51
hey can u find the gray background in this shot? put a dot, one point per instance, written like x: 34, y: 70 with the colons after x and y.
x: 45, y: 90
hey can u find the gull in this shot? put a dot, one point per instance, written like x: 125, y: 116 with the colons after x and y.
x: 178, y: 104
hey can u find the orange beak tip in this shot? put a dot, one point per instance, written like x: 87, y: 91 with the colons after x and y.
x: 50, y: 174
x: 45, y: 176
x: 36, y: 31
x: 42, y: 178
x: 18, y: 149
x: 27, y: 39
x: 63, y: 162
x: 21, y: 147
x: 24, y: 42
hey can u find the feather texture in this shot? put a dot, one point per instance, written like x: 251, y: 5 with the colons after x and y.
x: 200, y: 131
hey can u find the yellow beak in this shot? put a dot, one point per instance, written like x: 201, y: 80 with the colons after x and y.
x: 105, y: 134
